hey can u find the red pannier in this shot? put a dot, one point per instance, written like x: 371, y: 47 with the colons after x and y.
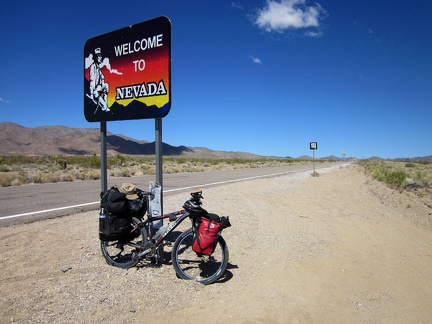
x: 207, y: 231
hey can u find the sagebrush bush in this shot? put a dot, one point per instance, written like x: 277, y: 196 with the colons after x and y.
x: 7, y: 179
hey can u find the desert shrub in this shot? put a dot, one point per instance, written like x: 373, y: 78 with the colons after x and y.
x: 94, y: 162
x: 121, y: 159
x: 172, y: 168
x: 62, y: 163
x: 44, y: 177
x: 396, y: 179
x: 67, y: 177
x: 92, y: 175
x: 422, y: 178
x: 5, y: 168
x: 148, y: 169
x: 124, y: 172
x: 38, y: 178
x: 6, y: 179
x: 390, y: 173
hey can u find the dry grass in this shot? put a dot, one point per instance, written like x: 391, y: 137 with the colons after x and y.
x: 414, y: 177
x: 20, y: 170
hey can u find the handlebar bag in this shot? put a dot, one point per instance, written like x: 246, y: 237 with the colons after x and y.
x: 207, y: 231
x: 138, y: 207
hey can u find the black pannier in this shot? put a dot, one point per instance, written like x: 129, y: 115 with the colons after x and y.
x: 118, y: 206
x: 113, y: 228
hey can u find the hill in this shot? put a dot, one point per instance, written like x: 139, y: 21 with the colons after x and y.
x: 61, y: 140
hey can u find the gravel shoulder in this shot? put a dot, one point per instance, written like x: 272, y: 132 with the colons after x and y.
x: 335, y: 248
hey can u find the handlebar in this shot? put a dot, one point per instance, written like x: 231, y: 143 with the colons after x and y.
x: 143, y: 193
x: 196, y: 196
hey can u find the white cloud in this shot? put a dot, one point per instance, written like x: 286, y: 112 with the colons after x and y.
x: 256, y: 60
x: 4, y: 100
x: 314, y: 34
x: 236, y: 5
x: 288, y: 14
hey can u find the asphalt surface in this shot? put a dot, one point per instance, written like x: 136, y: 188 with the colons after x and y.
x: 39, y: 201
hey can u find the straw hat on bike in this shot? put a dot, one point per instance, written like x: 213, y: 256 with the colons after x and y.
x: 129, y: 190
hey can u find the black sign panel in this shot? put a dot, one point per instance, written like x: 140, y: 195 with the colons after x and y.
x: 127, y: 73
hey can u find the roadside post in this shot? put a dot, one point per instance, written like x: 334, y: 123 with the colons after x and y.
x: 313, y: 146
x: 127, y: 76
x: 103, y: 153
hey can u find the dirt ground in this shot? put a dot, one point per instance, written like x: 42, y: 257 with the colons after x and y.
x: 336, y: 248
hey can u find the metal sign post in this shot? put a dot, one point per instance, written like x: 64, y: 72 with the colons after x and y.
x: 159, y: 172
x: 158, y: 150
x: 103, y: 166
x: 313, y: 159
x: 313, y: 146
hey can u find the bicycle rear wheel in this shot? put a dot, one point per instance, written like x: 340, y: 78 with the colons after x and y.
x: 122, y: 253
x: 201, y: 268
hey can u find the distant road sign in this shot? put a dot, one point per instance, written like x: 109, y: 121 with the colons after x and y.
x: 127, y: 73
x: 313, y: 145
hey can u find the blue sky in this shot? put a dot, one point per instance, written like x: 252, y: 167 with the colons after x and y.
x: 265, y: 77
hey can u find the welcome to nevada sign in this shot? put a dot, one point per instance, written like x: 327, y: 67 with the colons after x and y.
x: 127, y: 73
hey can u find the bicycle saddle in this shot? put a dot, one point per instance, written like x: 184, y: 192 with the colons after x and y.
x: 191, y: 208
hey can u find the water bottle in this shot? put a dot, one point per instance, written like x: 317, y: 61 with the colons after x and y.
x: 102, y: 213
x: 160, y: 232
x: 103, y: 226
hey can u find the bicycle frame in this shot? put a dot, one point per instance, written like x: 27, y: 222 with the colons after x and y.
x: 177, y: 217
x: 150, y: 247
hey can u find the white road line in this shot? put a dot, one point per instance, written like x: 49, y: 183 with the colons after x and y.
x: 47, y: 210
x: 230, y: 181
x: 171, y: 190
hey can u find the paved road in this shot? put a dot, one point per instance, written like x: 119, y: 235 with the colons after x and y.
x: 38, y: 201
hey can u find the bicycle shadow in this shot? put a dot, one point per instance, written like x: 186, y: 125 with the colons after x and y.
x: 228, y: 275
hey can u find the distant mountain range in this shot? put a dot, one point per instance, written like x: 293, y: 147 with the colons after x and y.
x: 60, y: 140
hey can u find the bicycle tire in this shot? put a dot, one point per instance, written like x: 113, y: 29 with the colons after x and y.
x: 121, y: 253
x: 201, y: 268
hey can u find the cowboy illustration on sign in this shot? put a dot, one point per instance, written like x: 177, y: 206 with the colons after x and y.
x: 98, y: 91
x: 128, y: 73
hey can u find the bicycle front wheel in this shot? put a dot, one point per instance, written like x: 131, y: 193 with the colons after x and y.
x: 122, y: 253
x: 201, y: 268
